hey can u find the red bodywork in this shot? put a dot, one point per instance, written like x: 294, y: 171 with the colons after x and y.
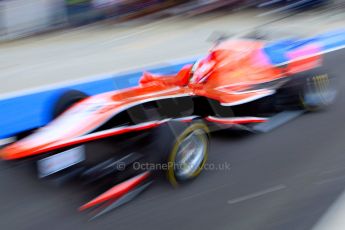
x: 229, y: 74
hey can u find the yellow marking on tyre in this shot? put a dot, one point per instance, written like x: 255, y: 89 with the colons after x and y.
x: 171, y: 172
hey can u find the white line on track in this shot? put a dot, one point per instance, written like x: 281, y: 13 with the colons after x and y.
x: 330, y: 180
x: 205, y: 191
x: 257, y: 194
x: 333, y: 170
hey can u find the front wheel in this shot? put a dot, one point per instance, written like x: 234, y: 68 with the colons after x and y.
x: 183, y: 148
x: 189, y: 154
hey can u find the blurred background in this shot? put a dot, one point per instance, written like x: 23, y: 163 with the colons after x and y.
x: 26, y: 17
x: 49, y: 42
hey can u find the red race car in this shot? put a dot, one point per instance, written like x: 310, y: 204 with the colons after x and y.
x: 124, y: 137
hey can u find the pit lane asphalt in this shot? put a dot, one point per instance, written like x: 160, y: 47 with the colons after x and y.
x: 285, y: 179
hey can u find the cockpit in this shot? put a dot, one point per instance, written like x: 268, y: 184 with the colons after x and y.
x: 201, y: 70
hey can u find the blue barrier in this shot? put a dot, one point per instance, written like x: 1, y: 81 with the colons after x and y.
x: 32, y: 110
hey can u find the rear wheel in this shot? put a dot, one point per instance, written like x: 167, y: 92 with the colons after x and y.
x: 318, y: 92
x: 313, y: 92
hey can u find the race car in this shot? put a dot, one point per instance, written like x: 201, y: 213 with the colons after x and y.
x: 124, y: 138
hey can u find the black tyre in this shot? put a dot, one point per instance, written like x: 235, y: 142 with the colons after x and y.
x: 183, y: 148
x: 66, y: 100
x: 313, y: 91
